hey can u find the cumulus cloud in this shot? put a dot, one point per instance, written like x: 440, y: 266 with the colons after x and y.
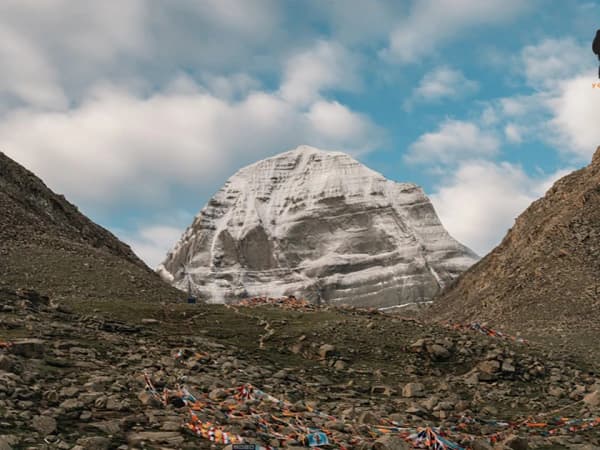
x: 553, y: 60
x: 152, y: 242
x: 575, y: 109
x: 79, y: 32
x: 560, y: 110
x: 432, y: 23
x: 479, y: 202
x: 336, y: 126
x: 29, y: 78
x: 59, y: 48
x: 452, y: 142
x: 440, y: 84
x: 352, y: 23
x: 513, y: 133
x: 218, y: 35
x: 444, y: 82
x: 231, y: 87
x: 127, y: 105
x: 522, y: 106
x: 116, y: 147
x: 325, y: 66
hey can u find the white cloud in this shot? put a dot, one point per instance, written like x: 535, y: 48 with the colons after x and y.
x: 217, y: 35
x: 489, y: 116
x: 560, y: 110
x: 151, y: 243
x: 232, y: 87
x: 440, y: 84
x: 444, y: 82
x: 248, y: 18
x: 353, y: 23
x: 325, y: 66
x: 59, y: 48
x: 30, y: 78
x: 117, y: 148
x: 59, y: 45
x: 336, y: 126
x: 454, y: 141
x: 82, y: 32
x: 522, y: 105
x: 480, y: 201
x: 431, y: 24
x: 553, y: 60
x: 513, y: 133
x: 575, y: 108
x: 93, y: 99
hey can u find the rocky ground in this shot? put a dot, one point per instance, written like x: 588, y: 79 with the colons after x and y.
x: 72, y: 376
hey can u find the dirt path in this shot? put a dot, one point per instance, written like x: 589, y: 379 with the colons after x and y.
x: 269, y: 331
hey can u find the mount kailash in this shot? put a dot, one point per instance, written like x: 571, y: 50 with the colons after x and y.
x: 319, y: 225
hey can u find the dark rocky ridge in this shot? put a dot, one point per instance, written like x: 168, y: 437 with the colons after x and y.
x: 545, y: 275
x: 48, y: 244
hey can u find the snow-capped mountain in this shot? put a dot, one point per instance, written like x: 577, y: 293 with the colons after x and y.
x: 318, y: 225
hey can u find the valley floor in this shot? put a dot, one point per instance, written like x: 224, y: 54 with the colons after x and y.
x: 72, y: 375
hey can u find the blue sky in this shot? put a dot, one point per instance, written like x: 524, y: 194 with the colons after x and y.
x: 138, y: 111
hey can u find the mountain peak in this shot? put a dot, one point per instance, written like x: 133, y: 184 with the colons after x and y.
x: 305, y: 157
x: 309, y: 149
x: 321, y: 225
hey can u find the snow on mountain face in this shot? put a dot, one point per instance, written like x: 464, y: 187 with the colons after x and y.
x: 318, y: 225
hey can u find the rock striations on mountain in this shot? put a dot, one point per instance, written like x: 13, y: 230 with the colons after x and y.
x: 545, y: 274
x: 319, y: 225
x: 48, y: 245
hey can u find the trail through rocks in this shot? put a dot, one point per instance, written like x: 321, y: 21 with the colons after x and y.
x: 269, y: 331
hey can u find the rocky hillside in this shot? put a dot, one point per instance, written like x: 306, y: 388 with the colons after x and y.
x: 318, y: 225
x: 47, y: 244
x: 545, y: 275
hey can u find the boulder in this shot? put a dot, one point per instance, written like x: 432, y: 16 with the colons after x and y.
x: 340, y: 365
x: 508, y: 367
x: 390, y: 442
x: 368, y: 418
x: 28, y: 348
x: 170, y: 438
x: 516, y: 443
x: 592, y: 399
x: 556, y: 391
x: 490, y: 366
x: 438, y: 352
x: 411, y: 390
x: 94, y: 443
x: 7, y: 363
x: 326, y: 350
x: 45, y: 425
x: 5, y: 443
